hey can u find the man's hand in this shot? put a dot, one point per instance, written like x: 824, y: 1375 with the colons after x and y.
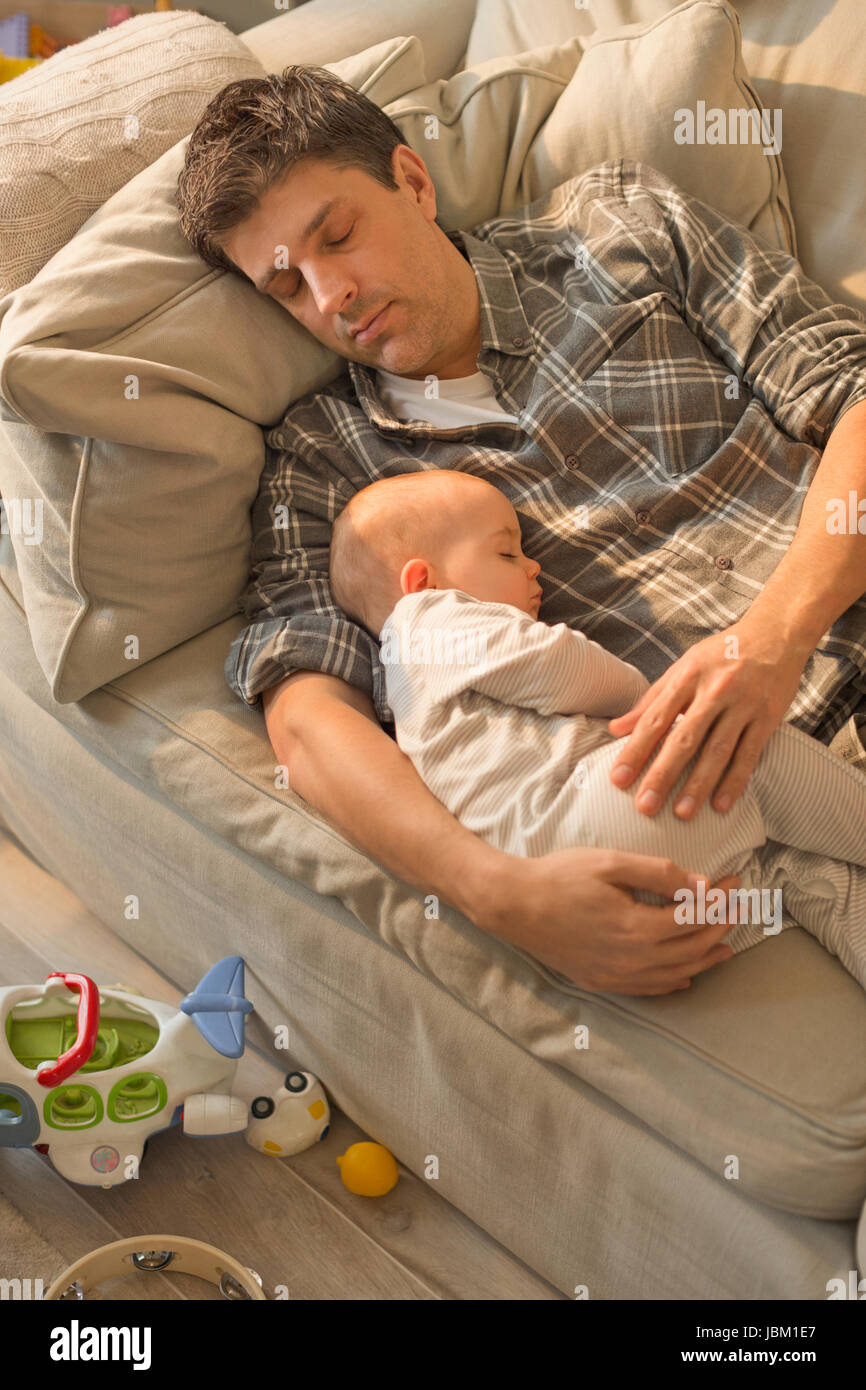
x: 736, y: 687
x: 572, y: 910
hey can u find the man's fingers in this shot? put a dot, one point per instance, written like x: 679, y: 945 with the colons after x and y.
x: 652, y: 725
x: 730, y: 738
x: 683, y: 953
x: 662, y: 876
x: 746, y: 758
x: 685, y: 739
x: 674, y: 951
x: 623, y: 724
x: 671, y: 979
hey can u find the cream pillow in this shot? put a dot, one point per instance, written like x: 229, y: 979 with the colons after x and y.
x: 136, y: 382
x: 474, y: 131
x: 628, y: 97
x: 79, y: 126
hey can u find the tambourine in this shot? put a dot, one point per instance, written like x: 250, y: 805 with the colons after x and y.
x: 179, y: 1254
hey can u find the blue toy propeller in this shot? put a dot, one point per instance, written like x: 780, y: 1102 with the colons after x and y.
x: 217, y: 1006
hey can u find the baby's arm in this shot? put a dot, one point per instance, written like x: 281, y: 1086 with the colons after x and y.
x: 497, y: 650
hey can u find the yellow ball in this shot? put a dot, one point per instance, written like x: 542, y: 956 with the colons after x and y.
x: 368, y: 1169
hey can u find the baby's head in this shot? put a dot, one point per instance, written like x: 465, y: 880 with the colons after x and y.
x: 437, y: 529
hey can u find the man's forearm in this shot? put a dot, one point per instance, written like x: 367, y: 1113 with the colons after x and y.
x: 344, y: 765
x: 823, y: 570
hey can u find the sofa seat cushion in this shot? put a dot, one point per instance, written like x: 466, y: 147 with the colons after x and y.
x: 694, y: 1066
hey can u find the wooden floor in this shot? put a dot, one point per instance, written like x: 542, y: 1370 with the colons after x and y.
x: 291, y: 1220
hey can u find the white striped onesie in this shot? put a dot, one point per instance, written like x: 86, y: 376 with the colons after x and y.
x: 505, y: 720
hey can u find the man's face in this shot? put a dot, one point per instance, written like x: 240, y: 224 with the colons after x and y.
x: 368, y: 271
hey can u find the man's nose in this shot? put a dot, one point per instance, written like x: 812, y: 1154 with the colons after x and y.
x: 332, y: 291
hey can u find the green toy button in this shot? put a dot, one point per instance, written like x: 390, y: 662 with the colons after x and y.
x: 137, y: 1097
x: 73, y: 1107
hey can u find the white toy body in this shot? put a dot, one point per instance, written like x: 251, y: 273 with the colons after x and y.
x: 94, y: 1123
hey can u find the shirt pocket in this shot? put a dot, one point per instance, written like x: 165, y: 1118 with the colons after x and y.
x: 669, y: 391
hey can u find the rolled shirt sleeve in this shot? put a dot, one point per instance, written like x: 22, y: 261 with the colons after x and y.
x: 803, y: 356
x: 294, y: 623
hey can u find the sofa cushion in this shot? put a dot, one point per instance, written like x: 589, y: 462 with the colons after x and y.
x: 657, y: 86
x: 506, y: 130
x: 136, y: 382
x: 808, y: 60
x: 79, y: 126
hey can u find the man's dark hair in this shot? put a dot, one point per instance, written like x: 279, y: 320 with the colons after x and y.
x: 253, y: 132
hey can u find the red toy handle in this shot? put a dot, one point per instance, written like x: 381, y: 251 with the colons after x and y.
x: 88, y: 1026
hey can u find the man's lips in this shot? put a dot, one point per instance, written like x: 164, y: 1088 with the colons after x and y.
x: 371, y: 327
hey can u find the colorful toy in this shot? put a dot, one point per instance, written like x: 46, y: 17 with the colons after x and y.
x: 87, y: 1081
x: 368, y: 1169
x: 296, y: 1116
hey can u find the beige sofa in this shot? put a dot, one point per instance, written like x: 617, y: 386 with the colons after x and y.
x: 137, y: 391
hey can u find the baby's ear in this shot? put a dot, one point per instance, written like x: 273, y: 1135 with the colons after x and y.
x: 415, y: 576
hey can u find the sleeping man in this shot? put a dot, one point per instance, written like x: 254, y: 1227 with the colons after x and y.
x: 669, y: 404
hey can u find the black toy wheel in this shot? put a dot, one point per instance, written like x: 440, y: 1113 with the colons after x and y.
x: 295, y: 1081
x: 262, y: 1107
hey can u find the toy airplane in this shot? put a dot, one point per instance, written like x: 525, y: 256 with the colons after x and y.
x: 90, y: 1090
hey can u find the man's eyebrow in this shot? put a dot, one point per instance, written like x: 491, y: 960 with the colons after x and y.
x: 315, y: 224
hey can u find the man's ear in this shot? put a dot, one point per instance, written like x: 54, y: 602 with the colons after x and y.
x: 415, y: 576
x: 408, y: 168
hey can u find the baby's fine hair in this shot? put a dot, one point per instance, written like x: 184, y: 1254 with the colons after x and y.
x: 384, y: 525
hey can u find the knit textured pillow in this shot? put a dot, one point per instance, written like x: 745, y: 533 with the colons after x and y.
x: 79, y: 126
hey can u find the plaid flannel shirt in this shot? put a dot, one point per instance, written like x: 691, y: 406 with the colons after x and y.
x: 675, y: 380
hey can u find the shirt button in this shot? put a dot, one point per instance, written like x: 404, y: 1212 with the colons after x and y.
x: 571, y: 460
x: 642, y: 517
x: 724, y: 563
x: 518, y: 341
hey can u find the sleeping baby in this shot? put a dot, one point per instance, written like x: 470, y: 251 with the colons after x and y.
x: 505, y: 720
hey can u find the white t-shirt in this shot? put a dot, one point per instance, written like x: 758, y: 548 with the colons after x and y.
x: 462, y: 400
